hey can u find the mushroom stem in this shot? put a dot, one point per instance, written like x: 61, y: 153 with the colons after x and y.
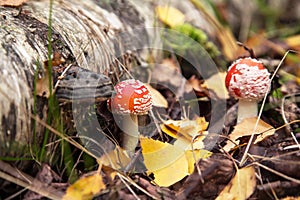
x: 246, y: 109
x: 129, y: 126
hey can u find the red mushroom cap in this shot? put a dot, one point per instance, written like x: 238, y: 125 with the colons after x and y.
x: 247, y: 79
x: 132, y: 96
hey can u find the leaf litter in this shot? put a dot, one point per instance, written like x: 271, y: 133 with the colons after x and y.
x: 179, y: 162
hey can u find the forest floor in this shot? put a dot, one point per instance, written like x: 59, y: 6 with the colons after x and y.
x: 190, y: 144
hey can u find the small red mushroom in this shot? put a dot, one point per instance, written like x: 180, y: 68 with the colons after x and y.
x: 247, y: 80
x: 132, y: 98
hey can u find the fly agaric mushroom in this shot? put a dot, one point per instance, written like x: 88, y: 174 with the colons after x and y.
x: 247, y: 80
x: 132, y: 98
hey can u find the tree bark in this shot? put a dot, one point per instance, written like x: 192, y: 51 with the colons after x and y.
x: 91, y: 33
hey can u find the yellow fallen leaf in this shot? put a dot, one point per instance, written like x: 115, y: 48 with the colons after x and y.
x: 116, y: 159
x: 186, y: 144
x: 170, y: 15
x: 217, y: 84
x: 184, y: 128
x: 293, y: 41
x: 157, y: 154
x: 165, y: 161
x: 185, y: 131
x: 193, y: 156
x: 171, y: 174
x: 171, y: 127
x: 13, y: 3
x: 241, y: 185
x: 168, y: 163
x: 245, y: 128
x: 85, y: 188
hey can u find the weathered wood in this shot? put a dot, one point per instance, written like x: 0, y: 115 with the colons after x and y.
x: 90, y: 33
x: 95, y: 35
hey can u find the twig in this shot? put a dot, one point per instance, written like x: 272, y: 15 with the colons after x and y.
x: 128, y: 187
x: 195, y: 160
x: 277, y: 173
x: 13, y: 175
x: 137, y: 186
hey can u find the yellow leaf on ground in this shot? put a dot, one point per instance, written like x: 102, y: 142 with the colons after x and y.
x: 171, y: 174
x: 116, y: 159
x: 168, y: 163
x: 241, y: 185
x: 293, y: 41
x: 165, y: 161
x: 158, y: 155
x: 184, y: 128
x: 14, y: 3
x: 185, y: 131
x: 193, y: 156
x: 217, y: 84
x: 246, y: 127
x: 170, y: 15
x: 186, y: 144
x: 85, y: 188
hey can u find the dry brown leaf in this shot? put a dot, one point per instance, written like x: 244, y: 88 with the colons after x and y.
x: 216, y: 83
x: 171, y: 63
x: 246, y: 127
x: 157, y: 99
x: 116, y: 159
x: 291, y: 198
x: 170, y: 68
x: 241, y: 186
x: 42, y: 85
x: 170, y: 15
x: 109, y: 172
x: 85, y: 188
x: 198, y: 86
x: 13, y: 3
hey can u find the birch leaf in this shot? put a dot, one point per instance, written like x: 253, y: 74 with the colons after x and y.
x: 246, y: 127
x: 184, y: 128
x: 195, y: 155
x: 241, y: 186
x: 165, y: 161
x: 168, y: 163
x: 85, y: 188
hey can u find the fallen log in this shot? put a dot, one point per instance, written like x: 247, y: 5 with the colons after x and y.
x: 93, y: 34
